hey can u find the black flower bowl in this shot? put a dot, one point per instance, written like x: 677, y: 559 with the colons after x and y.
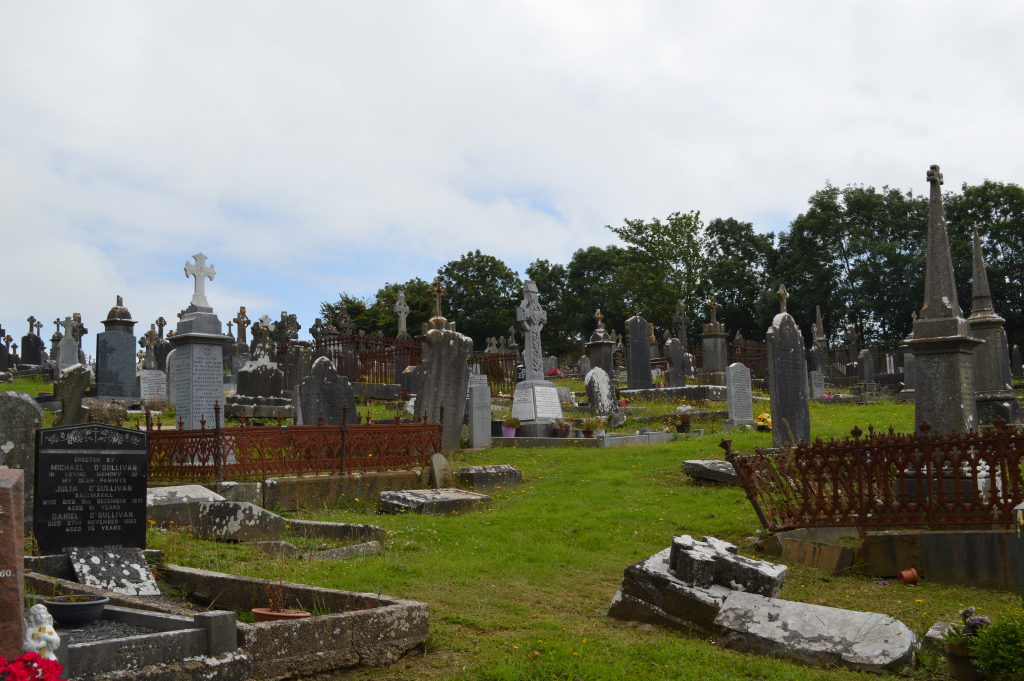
x: 70, y: 611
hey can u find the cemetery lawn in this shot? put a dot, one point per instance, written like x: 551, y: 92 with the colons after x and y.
x: 32, y: 386
x: 520, y: 591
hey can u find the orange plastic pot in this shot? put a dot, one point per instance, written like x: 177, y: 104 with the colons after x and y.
x: 907, y: 576
x: 268, y: 615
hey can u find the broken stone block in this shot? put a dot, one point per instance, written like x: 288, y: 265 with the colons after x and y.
x: 370, y: 548
x: 446, y: 501
x: 714, y: 470
x: 177, y: 506
x: 690, y: 563
x: 238, y: 521
x: 689, y: 560
x: 114, y: 568
x: 484, y: 479
x: 936, y: 636
x: 814, y: 634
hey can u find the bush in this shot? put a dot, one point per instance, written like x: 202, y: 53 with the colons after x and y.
x: 999, y: 649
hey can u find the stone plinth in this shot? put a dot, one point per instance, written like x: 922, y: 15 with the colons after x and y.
x: 485, y: 479
x: 196, y: 368
x: 716, y: 353
x: 944, y: 393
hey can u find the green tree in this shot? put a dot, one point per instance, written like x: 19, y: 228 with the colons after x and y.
x: 378, y: 313
x: 589, y: 287
x: 738, y: 271
x: 559, y: 335
x: 482, y: 295
x: 663, y: 264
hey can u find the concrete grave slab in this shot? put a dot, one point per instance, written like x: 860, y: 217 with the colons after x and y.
x: 158, y: 496
x: 238, y: 521
x: 484, y: 479
x: 370, y: 548
x: 114, y: 568
x: 831, y: 557
x: 712, y: 469
x: 446, y: 501
x: 814, y: 634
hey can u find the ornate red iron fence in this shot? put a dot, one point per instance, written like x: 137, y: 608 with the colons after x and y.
x: 751, y: 354
x: 259, y: 452
x: 369, y: 359
x: 500, y: 368
x: 888, y: 480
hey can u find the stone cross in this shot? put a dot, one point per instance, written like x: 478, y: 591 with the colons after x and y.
x: 160, y: 324
x: 512, y: 337
x: 201, y: 272
x: 263, y: 341
x: 437, y: 291
x: 230, y: 324
x: 681, y: 321
x: 31, y: 321
x: 150, y: 341
x: 69, y: 326
x: 7, y: 341
x: 402, y: 310
x: 713, y: 306
x: 317, y: 329
x: 783, y: 295
x: 533, y: 317
x: 344, y: 323
x: 242, y: 321
x: 39, y: 326
x: 501, y: 344
x: 57, y: 333
x: 79, y: 329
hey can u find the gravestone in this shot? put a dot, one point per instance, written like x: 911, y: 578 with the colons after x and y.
x: 600, y: 348
x: 196, y: 367
x: 675, y: 353
x: 740, y: 397
x: 153, y: 386
x: 1018, y: 366
x: 324, y: 393
x: 993, y: 384
x: 115, y: 356
x: 298, y: 363
x: 69, y: 391
x: 866, y: 363
x: 4, y: 353
x: 12, y: 563
x: 909, y: 376
x: 68, y: 349
x: 32, y: 345
x: 402, y: 311
x: 584, y: 365
x: 601, y: 396
x: 479, y: 416
x: 90, y: 487
x: 535, y: 401
x: 790, y: 410
x: 20, y: 416
x: 119, y: 569
x: 942, y: 345
x: 817, y: 385
x: 443, y: 379
x: 410, y: 380
x: 260, y: 377
x: 715, y: 348
x: 638, y: 359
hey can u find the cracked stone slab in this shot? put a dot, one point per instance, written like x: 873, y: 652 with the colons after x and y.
x: 711, y: 469
x: 484, y: 479
x: 445, y: 501
x: 157, y: 496
x: 238, y: 521
x: 114, y: 568
x: 713, y: 561
x: 814, y: 634
x: 370, y: 548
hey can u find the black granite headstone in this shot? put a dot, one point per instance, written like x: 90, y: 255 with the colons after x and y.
x: 90, y: 487
x: 32, y: 347
x: 639, y: 359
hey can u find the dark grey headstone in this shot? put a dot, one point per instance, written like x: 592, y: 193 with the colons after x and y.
x: 676, y: 355
x: 638, y: 360
x: 324, y: 393
x: 115, y: 365
x: 791, y: 416
x: 90, y: 487
x: 866, y: 363
x: 298, y: 364
x: 114, y: 568
x: 20, y: 416
x: 443, y: 379
x: 31, y: 349
x: 4, y: 358
x: 260, y: 380
x: 1018, y: 367
x: 411, y: 380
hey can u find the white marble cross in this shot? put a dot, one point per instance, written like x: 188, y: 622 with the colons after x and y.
x: 533, y: 317
x: 201, y: 272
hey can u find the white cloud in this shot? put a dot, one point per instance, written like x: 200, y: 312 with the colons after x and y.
x: 309, y: 148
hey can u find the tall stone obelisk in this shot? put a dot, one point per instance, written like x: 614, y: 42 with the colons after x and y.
x: 942, y: 346
x: 993, y: 385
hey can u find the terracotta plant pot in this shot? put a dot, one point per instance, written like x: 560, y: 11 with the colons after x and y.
x: 961, y: 664
x: 623, y: 403
x: 907, y: 576
x: 588, y: 433
x: 268, y: 615
x: 508, y: 431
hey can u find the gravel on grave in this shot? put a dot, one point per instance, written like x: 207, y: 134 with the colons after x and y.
x: 101, y: 630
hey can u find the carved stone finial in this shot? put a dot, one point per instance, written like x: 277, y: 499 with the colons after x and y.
x: 783, y: 295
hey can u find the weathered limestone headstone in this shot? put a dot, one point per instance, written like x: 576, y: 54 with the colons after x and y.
x: 715, y: 348
x: 1017, y: 362
x: 740, y: 396
x: 115, y: 356
x: 535, y: 402
x: 260, y: 377
x: 600, y: 348
x: 676, y: 355
x: 479, y: 416
x: 638, y: 359
x: 443, y: 379
x: 942, y: 345
x: 90, y: 487
x: 993, y: 384
x: 298, y: 363
x: 67, y: 349
x: 20, y: 416
x: 791, y: 415
x: 585, y: 365
x: 601, y: 396
x: 196, y: 370
x: 324, y: 393
x: 68, y: 391
x: 12, y: 563
x: 817, y: 385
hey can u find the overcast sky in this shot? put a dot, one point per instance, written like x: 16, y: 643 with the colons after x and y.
x: 309, y: 148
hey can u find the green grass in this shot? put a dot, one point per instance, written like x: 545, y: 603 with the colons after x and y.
x: 32, y: 386
x: 535, y: 573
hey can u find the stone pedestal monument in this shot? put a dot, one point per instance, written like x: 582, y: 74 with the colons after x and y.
x: 993, y: 383
x: 787, y: 364
x: 115, y: 356
x: 715, y: 348
x: 196, y: 366
x: 535, y: 402
x: 600, y: 347
x: 638, y: 354
x: 942, y: 345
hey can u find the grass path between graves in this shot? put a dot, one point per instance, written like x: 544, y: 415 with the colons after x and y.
x: 520, y: 591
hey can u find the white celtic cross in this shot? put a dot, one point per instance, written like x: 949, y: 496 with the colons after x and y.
x: 402, y: 310
x: 201, y: 272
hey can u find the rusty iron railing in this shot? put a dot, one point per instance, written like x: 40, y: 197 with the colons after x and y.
x: 752, y: 354
x: 369, y: 359
x: 259, y: 452
x: 889, y: 480
x: 500, y: 368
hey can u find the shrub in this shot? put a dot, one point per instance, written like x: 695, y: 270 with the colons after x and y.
x: 999, y: 649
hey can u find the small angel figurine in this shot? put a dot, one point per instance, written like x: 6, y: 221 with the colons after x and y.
x: 40, y: 636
